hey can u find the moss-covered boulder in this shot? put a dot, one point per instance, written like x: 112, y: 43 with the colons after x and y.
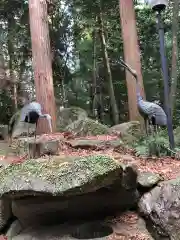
x: 91, y: 186
x: 3, y: 131
x: 66, y: 116
x: 129, y: 131
x: 21, y: 128
x: 87, y: 127
x: 59, y: 177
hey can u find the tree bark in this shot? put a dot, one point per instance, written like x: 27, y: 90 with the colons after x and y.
x: 94, y: 78
x: 131, y: 54
x: 174, y: 71
x: 114, y: 108
x: 42, y: 62
x: 11, y: 60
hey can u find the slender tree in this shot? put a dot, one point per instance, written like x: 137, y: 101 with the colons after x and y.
x: 131, y: 53
x: 11, y: 59
x: 174, y: 71
x: 42, y: 61
x: 113, y: 103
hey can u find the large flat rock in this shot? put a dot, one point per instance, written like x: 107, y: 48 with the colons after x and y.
x: 59, y: 177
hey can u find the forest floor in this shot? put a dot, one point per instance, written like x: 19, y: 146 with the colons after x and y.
x: 167, y: 167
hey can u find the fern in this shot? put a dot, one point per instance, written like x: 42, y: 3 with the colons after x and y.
x: 156, y: 145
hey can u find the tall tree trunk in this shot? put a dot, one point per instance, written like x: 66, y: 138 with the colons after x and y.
x: 131, y: 54
x: 174, y: 71
x: 94, y: 97
x: 42, y: 62
x: 11, y: 60
x: 114, y: 108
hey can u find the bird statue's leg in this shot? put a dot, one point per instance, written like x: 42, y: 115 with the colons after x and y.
x: 28, y: 137
x: 146, y: 126
x: 151, y: 127
x: 156, y: 129
x: 35, y: 132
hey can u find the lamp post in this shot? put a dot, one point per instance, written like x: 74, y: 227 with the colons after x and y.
x: 158, y: 6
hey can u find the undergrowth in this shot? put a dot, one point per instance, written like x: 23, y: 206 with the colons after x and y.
x: 156, y: 145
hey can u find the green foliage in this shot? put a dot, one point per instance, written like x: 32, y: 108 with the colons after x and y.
x: 153, y: 145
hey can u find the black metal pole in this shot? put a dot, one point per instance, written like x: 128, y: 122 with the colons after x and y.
x: 165, y: 79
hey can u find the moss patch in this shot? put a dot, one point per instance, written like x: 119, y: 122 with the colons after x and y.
x: 60, y: 177
x: 68, y: 115
x: 87, y: 127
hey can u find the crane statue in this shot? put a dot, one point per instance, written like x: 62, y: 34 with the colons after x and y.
x: 30, y: 113
x: 151, y: 112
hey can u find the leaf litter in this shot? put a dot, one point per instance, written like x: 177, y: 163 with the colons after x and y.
x: 167, y: 167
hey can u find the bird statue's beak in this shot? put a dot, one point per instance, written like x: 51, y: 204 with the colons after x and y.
x: 50, y: 124
x: 132, y: 71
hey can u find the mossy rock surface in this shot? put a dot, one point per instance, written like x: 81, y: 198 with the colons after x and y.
x: 148, y: 179
x: 87, y: 127
x: 66, y: 116
x: 130, y: 131
x: 21, y: 128
x: 3, y: 131
x: 59, y: 176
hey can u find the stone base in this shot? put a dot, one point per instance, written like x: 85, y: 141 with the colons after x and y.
x: 50, y: 210
x: 39, y: 148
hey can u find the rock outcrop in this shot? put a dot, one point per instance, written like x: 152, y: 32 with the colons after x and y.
x: 66, y: 116
x: 3, y: 131
x: 162, y: 207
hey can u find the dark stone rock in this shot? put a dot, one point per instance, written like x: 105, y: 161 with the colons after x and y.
x: 51, y: 210
x: 95, y: 144
x: 162, y: 207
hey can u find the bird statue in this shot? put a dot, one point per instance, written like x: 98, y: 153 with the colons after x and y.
x: 30, y: 113
x: 151, y: 112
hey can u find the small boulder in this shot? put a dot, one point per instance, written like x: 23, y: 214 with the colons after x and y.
x: 87, y: 127
x: 162, y: 207
x: 129, y: 131
x: 95, y: 143
x: 66, y: 116
x: 148, y: 179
